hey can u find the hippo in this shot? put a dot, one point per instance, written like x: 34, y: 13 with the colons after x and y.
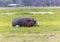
x: 24, y: 22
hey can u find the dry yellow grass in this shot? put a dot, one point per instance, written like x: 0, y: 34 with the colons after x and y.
x: 29, y: 37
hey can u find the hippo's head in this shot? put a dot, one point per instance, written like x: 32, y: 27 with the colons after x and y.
x: 32, y: 22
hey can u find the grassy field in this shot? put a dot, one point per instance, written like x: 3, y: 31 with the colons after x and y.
x: 49, y: 25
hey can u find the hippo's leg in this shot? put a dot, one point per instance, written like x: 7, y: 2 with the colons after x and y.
x: 14, y: 24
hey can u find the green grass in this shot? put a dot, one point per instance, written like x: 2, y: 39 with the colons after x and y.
x: 48, y: 31
x: 47, y: 22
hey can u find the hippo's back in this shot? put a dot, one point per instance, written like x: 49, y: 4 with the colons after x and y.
x: 19, y: 21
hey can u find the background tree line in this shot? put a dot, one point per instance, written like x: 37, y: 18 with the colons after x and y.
x: 4, y: 3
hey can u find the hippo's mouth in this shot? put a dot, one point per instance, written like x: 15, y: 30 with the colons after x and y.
x: 36, y: 25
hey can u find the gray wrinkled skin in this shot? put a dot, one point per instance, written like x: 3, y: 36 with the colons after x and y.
x: 23, y: 22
